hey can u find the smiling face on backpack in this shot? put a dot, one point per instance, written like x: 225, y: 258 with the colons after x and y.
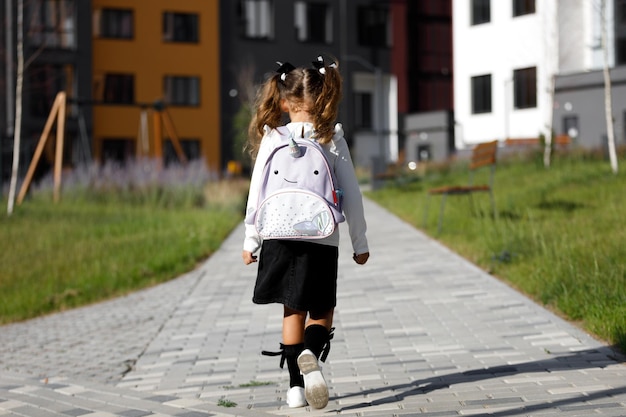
x: 290, y: 172
x: 298, y: 194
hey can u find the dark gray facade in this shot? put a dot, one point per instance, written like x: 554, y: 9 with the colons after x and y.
x: 428, y: 125
x: 579, y: 107
x: 58, y: 57
x: 249, y: 53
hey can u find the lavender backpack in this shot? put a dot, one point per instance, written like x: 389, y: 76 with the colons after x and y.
x: 298, y: 196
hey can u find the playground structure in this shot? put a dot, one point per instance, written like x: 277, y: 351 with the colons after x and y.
x: 162, y: 121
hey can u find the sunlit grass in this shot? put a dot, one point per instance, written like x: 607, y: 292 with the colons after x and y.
x: 559, y: 235
x: 96, y: 244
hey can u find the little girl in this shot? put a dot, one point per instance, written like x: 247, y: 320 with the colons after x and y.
x: 301, y: 274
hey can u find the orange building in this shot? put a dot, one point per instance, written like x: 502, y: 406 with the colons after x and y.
x: 153, y: 52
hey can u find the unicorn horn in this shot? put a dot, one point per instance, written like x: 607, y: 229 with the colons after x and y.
x: 294, y: 149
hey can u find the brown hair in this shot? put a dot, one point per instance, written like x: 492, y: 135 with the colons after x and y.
x: 318, y: 90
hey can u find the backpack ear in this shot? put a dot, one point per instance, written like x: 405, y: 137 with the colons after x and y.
x: 294, y: 149
x: 338, y: 131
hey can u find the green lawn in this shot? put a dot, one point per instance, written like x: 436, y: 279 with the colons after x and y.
x: 82, y: 250
x: 559, y: 235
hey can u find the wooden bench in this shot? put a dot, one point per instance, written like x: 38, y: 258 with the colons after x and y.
x: 559, y: 140
x: 483, y: 156
x: 521, y: 142
x: 562, y: 140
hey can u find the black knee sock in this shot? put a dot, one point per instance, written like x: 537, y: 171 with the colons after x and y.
x: 316, y: 337
x: 291, y: 353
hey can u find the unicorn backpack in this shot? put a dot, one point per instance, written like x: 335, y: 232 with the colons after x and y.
x: 298, y: 195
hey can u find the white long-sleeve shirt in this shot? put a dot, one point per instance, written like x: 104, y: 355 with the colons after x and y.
x: 338, y: 155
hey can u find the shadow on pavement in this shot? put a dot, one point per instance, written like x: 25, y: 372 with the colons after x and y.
x: 586, y: 359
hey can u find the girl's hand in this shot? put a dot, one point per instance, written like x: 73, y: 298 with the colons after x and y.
x: 361, y: 258
x: 248, y: 258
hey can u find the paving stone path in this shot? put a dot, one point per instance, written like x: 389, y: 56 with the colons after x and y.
x: 419, y: 332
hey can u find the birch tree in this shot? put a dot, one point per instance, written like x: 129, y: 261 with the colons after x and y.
x: 21, y: 65
x: 547, y: 148
x: 608, y: 101
x: 17, y: 132
x: 551, y: 59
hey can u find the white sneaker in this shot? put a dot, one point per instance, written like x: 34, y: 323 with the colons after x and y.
x: 315, y: 389
x: 295, y: 397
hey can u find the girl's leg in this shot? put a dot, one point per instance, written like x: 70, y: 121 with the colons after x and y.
x: 316, y: 339
x: 293, y: 326
x: 293, y: 338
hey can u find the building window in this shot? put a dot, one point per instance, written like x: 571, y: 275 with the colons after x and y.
x: 257, y: 18
x: 313, y: 22
x: 522, y: 7
x: 113, y: 23
x: 46, y: 80
x: 53, y: 24
x: 374, y: 28
x: 191, y: 149
x: 180, y: 27
x: 424, y: 152
x: 363, y: 110
x: 182, y: 91
x: 621, y: 51
x: 525, y: 88
x: 481, y: 94
x: 119, y: 89
x: 570, y: 126
x: 481, y: 12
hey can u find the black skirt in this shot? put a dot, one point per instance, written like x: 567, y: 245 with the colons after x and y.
x: 298, y: 274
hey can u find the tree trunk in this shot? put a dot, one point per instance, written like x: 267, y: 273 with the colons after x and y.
x: 608, y: 102
x: 547, y: 149
x: 18, y: 105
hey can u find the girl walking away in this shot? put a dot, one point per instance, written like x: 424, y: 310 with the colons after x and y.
x: 300, y: 272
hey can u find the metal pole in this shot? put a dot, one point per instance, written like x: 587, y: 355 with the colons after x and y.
x: 378, y: 75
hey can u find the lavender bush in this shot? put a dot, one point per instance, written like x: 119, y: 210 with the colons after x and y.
x: 144, y: 182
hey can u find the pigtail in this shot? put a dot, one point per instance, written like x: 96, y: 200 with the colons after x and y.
x: 327, y: 102
x: 267, y: 112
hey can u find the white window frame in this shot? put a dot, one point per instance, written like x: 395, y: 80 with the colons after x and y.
x: 258, y: 18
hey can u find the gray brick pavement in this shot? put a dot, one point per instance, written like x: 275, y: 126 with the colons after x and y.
x: 419, y: 331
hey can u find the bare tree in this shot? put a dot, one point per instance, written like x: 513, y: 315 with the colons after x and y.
x: 22, y: 65
x: 564, y: 50
x: 608, y: 102
x: 547, y: 146
x: 551, y: 59
x: 18, y: 105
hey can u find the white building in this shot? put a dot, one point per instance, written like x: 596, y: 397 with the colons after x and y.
x: 506, y: 54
